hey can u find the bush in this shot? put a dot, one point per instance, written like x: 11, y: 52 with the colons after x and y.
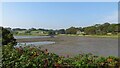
x: 27, y: 57
x: 32, y: 57
x: 7, y: 37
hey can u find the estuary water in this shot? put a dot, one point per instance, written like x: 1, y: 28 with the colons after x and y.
x: 22, y: 37
x: 33, y: 43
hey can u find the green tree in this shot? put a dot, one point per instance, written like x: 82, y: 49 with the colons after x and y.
x: 105, y: 27
x: 32, y: 29
x: 61, y: 31
x: 90, y: 30
x: 51, y: 32
x: 7, y: 37
x: 71, y: 30
x: 81, y: 29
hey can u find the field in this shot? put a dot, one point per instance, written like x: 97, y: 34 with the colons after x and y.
x: 94, y: 36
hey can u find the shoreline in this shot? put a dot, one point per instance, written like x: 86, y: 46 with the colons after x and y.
x: 56, y: 39
x: 94, y: 36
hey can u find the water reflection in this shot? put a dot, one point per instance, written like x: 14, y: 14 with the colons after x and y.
x: 34, y: 43
x: 21, y: 37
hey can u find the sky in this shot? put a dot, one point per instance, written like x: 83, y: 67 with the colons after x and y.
x: 60, y: 0
x: 57, y: 15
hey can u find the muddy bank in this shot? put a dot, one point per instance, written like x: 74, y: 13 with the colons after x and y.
x: 57, y: 39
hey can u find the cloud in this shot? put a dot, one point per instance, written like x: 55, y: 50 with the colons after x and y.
x: 113, y: 18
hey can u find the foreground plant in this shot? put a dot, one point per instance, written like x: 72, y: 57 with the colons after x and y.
x: 27, y: 57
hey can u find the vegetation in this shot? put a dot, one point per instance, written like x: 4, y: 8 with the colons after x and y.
x: 32, y: 31
x: 0, y: 56
x: 7, y: 37
x: 33, y: 57
x: 61, y: 31
x: 71, y: 30
x: 102, y: 29
x: 36, y: 58
x: 97, y: 29
x: 51, y: 32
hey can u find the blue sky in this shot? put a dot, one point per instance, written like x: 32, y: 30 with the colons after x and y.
x: 57, y: 15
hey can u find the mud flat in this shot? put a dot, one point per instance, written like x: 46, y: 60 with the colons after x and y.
x: 74, y: 45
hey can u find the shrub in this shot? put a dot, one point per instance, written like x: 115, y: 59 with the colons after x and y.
x: 22, y: 57
x: 7, y: 37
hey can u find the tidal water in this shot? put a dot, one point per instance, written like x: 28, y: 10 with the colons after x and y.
x: 22, y: 37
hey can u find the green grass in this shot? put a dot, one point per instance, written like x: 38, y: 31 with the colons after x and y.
x: 96, y: 36
x: 103, y: 36
x: 32, y: 33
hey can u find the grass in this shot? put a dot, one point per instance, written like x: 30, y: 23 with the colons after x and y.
x: 33, y: 33
x: 103, y: 36
x: 96, y: 36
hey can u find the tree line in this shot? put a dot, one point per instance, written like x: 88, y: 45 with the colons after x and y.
x: 97, y: 29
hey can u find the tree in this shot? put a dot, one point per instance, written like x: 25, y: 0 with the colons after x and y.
x: 105, y: 27
x: 117, y: 28
x: 51, y: 32
x: 7, y: 37
x: 81, y: 29
x: 18, y: 29
x: 90, y: 30
x: 102, y: 28
x: 71, y: 30
x: 32, y: 29
x: 61, y: 31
